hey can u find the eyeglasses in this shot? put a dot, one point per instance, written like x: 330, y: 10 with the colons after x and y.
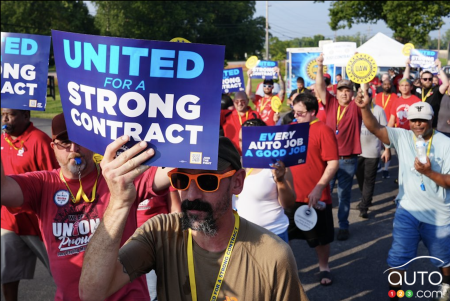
x: 268, y: 86
x: 427, y: 79
x: 300, y: 113
x: 63, y: 144
x: 207, y: 182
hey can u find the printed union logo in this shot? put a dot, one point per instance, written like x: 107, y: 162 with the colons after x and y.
x: 61, y: 197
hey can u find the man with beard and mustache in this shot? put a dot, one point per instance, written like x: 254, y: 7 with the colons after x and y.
x: 69, y: 203
x: 423, y: 207
x: 207, y: 251
x: 24, y: 149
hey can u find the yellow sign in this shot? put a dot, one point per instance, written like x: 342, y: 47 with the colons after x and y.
x: 251, y: 62
x: 276, y: 104
x: 407, y: 49
x: 311, y: 69
x: 361, y: 68
x: 97, y: 158
x: 179, y: 40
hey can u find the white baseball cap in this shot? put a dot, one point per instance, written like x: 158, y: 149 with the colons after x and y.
x: 420, y: 110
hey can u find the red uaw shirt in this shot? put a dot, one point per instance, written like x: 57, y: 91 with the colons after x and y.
x: 322, y: 147
x: 67, y: 227
x: 349, y: 128
x: 34, y: 153
x: 400, y: 110
x: 231, y: 124
x: 264, y: 108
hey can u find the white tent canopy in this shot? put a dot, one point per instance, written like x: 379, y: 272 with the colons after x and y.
x: 386, y: 52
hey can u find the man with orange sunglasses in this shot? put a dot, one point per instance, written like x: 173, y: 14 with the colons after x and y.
x: 207, y: 251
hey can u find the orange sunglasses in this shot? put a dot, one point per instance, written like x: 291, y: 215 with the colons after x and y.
x: 207, y: 182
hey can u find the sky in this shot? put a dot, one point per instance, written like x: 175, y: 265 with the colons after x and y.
x: 296, y: 19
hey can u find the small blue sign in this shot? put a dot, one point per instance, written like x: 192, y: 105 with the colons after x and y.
x: 160, y: 92
x: 233, y: 80
x: 423, y: 58
x: 264, y: 145
x: 265, y: 70
x: 24, y: 71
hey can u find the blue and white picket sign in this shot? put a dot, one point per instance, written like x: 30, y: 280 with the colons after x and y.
x: 265, y: 70
x: 233, y: 80
x: 24, y: 71
x: 422, y: 58
x: 265, y: 145
x: 160, y: 92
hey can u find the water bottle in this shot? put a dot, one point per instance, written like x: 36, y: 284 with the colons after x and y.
x: 421, y: 149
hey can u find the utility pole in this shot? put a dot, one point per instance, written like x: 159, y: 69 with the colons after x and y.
x: 267, y: 30
x: 439, y: 40
x: 369, y: 30
x: 335, y: 35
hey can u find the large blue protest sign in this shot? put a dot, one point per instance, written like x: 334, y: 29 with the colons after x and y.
x: 160, y: 92
x: 24, y: 71
x: 233, y: 80
x: 264, y: 145
x: 265, y: 70
x: 422, y: 58
x: 304, y: 65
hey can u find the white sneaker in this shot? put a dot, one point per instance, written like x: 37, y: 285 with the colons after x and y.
x: 444, y: 290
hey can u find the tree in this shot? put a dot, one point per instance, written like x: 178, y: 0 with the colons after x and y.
x: 411, y: 21
x: 227, y: 23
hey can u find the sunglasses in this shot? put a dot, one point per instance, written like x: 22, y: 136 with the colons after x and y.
x: 207, y: 182
x: 268, y: 86
x: 425, y: 79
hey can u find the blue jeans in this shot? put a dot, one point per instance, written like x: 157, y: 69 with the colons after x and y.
x: 344, y: 176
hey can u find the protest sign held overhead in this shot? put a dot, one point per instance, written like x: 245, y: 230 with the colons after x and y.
x: 361, y: 68
x: 338, y: 53
x: 422, y: 58
x: 233, y: 80
x: 159, y: 92
x: 264, y: 145
x: 24, y: 71
x: 265, y: 70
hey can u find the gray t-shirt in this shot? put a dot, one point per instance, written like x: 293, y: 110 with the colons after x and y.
x: 444, y: 115
x: 370, y: 144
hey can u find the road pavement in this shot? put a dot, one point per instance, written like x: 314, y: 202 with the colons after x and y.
x: 357, y: 264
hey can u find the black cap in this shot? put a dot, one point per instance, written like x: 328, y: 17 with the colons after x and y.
x: 228, y: 155
x: 268, y: 82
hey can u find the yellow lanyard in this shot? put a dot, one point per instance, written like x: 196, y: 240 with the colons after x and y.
x: 312, y: 122
x: 429, y: 144
x: 264, y: 105
x: 301, y: 91
x: 249, y: 172
x: 12, y: 145
x: 428, y: 94
x: 223, y: 267
x: 339, y: 115
x: 80, y: 193
x: 240, y: 119
x: 387, y: 101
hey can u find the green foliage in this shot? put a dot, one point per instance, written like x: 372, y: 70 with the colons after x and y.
x: 411, y: 21
x: 227, y: 23
x: 53, y: 108
x: 277, y: 48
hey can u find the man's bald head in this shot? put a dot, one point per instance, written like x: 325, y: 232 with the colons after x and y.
x: 240, y: 101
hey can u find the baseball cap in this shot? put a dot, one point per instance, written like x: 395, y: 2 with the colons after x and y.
x: 228, y: 155
x: 420, y: 110
x: 375, y: 81
x: 59, y: 130
x: 268, y: 82
x: 345, y: 83
x: 327, y: 75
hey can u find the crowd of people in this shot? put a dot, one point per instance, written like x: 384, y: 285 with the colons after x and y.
x: 119, y: 230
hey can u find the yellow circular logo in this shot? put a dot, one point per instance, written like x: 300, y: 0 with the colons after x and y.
x: 179, y: 40
x: 361, y: 68
x: 407, y: 49
x: 97, y: 158
x: 311, y: 69
x: 251, y: 62
x: 276, y: 104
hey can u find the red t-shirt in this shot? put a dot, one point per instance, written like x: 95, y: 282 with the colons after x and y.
x: 321, y: 115
x: 264, y: 108
x: 387, y: 103
x: 348, y: 137
x: 322, y: 147
x: 400, y: 110
x: 152, y: 206
x: 34, y: 154
x: 67, y: 227
x: 231, y: 124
